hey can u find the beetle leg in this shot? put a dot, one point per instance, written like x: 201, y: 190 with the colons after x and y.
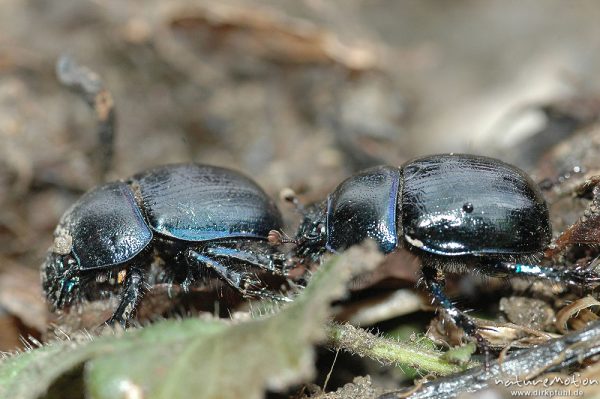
x: 189, y: 279
x: 134, y: 283
x: 434, y: 280
x: 244, y: 282
x: 68, y: 284
x: 576, y: 276
x: 269, y: 262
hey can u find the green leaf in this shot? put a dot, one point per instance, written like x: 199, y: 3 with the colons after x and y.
x: 193, y: 357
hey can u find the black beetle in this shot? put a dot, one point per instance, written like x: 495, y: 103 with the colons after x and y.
x: 455, y: 211
x: 198, y: 219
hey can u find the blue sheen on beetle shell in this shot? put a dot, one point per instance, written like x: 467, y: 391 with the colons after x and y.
x: 194, y: 202
x: 205, y: 235
x: 364, y: 206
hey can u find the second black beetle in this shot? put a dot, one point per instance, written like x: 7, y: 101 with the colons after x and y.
x: 198, y: 220
x: 455, y: 211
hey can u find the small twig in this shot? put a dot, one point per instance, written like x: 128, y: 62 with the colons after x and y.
x: 88, y: 84
x: 527, y: 364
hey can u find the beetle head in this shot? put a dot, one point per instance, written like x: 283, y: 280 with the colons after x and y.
x: 59, y: 279
x: 311, y: 237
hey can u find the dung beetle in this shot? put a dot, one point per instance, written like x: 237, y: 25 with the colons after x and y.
x: 196, y: 220
x: 456, y: 212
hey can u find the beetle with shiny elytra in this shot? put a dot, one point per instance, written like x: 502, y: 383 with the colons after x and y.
x: 200, y: 220
x: 455, y: 211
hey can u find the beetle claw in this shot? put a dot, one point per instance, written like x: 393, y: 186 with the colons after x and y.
x: 115, y: 320
x: 584, y: 276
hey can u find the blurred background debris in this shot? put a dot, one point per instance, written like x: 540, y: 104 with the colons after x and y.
x: 300, y: 94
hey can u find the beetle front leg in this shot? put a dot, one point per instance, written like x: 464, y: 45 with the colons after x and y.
x: 69, y: 282
x: 434, y: 281
x: 134, y: 285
